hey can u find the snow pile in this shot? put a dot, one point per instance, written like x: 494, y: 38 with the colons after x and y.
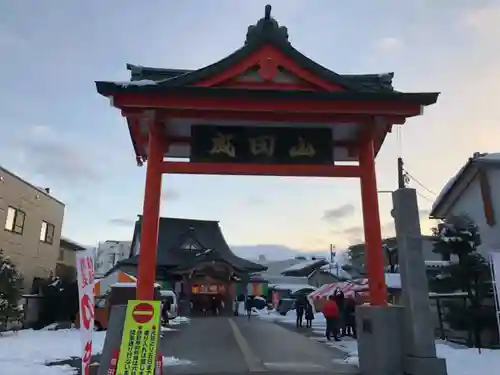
x: 178, y: 320
x: 27, y: 352
x: 167, y: 329
x: 173, y: 361
x: 468, y: 361
x: 459, y: 360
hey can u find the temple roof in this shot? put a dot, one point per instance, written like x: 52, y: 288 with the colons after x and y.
x: 183, y: 243
x: 267, y: 31
x: 304, y: 268
x: 465, y: 174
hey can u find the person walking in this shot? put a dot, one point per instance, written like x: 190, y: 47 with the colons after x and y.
x: 309, y: 314
x: 165, y: 308
x: 350, y: 317
x: 299, y: 310
x: 248, y: 306
x: 331, y: 314
x: 340, y: 299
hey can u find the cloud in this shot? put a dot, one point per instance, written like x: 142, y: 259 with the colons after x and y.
x: 337, y: 213
x: 353, y: 235
x: 389, y: 44
x: 484, y: 20
x: 170, y: 194
x: 356, y: 234
x: 44, y: 153
x: 122, y: 222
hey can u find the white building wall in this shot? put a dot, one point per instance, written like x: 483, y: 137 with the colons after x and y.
x: 109, y: 253
x: 471, y: 203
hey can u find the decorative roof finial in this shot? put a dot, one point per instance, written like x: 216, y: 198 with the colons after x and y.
x: 267, y: 28
x: 267, y: 12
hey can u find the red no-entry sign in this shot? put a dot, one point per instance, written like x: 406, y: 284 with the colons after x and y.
x: 143, y: 313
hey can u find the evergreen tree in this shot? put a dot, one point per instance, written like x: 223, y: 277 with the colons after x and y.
x: 357, y: 255
x: 457, y: 239
x: 10, y: 290
x: 62, y: 293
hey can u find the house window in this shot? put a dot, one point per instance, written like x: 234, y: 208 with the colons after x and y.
x: 47, y: 233
x: 61, y: 255
x: 15, y: 220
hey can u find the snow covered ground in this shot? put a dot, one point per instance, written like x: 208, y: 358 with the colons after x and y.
x: 178, y: 320
x: 459, y: 360
x: 27, y: 352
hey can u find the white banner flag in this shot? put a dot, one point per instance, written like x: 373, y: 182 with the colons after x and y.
x: 85, y: 273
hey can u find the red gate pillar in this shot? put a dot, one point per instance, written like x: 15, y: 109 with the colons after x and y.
x: 150, y: 215
x: 371, y: 225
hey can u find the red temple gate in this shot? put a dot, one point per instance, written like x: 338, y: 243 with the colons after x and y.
x: 268, y: 110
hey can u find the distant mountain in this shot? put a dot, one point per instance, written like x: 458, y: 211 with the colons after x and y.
x: 273, y: 252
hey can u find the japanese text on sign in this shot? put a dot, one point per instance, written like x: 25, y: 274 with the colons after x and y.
x: 140, y: 338
x: 223, y: 144
x: 261, y: 144
x: 85, y: 276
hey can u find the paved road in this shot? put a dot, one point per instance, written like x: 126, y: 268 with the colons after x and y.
x: 235, y: 346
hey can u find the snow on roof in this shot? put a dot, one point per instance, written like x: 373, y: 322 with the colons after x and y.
x: 275, y: 267
x: 437, y: 263
x: 336, y: 270
x: 74, y: 243
x: 142, y: 82
x: 273, y: 279
x: 477, y: 158
x: 444, y: 191
x: 444, y: 295
x: 293, y: 288
x: 304, y: 264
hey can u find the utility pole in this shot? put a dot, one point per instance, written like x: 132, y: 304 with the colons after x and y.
x: 401, y: 174
x: 332, y: 256
x: 113, y: 260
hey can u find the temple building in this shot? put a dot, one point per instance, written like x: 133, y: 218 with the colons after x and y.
x: 195, y: 261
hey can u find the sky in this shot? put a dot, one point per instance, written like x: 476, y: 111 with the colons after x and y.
x: 57, y: 132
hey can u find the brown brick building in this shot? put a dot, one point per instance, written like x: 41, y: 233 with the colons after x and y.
x: 31, y: 221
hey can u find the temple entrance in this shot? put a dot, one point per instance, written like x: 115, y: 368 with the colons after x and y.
x: 264, y: 110
x: 207, y: 304
x: 210, y: 289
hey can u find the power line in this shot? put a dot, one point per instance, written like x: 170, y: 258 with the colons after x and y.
x: 404, y: 178
x: 424, y: 197
x: 419, y: 183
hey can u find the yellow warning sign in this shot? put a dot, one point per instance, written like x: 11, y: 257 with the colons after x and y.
x: 140, y: 338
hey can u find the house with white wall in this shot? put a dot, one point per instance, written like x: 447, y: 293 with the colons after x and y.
x: 109, y: 253
x: 475, y: 191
